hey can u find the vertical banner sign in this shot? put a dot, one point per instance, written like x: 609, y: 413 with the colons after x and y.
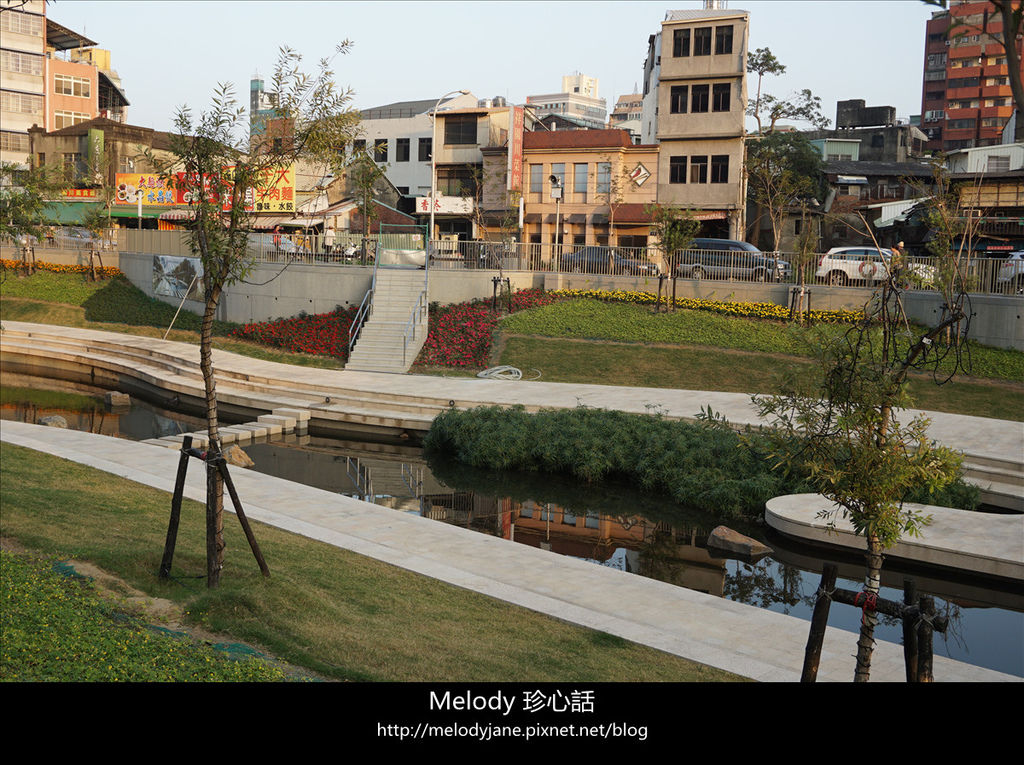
x: 95, y: 149
x: 516, y: 117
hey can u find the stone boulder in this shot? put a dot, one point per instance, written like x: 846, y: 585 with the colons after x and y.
x: 236, y: 456
x: 53, y: 421
x: 724, y: 538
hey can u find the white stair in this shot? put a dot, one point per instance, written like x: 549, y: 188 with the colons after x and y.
x: 381, y: 346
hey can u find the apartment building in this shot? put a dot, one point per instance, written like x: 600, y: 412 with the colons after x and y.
x: 51, y: 77
x: 965, y: 96
x: 694, y: 102
x: 578, y: 101
x: 22, y: 75
x: 606, y: 183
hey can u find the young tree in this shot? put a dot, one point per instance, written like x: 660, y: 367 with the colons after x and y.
x: 23, y: 195
x: 782, y: 169
x: 841, y: 425
x: 675, y: 230
x: 803, y: 105
x: 223, y: 174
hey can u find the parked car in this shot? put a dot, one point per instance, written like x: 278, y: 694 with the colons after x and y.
x: 730, y: 259
x: 1011, y: 274
x: 263, y: 243
x: 606, y: 260
x: 844, y: 265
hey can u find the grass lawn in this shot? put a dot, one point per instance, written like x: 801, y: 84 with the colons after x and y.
x: 334, y: 612
x: 696, y: 368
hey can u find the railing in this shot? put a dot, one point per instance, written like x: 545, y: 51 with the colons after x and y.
x: 365, y: 308
x: 417, y: 317
x: 998, y: 276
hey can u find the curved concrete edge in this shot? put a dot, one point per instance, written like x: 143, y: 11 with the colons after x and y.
x: 982, y: 543
x: 750, y: 641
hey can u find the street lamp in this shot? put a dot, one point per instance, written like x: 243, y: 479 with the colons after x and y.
x: 556, y: 194
x: 433, y: 159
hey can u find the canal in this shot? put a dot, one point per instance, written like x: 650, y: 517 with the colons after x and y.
x: 609, y: 524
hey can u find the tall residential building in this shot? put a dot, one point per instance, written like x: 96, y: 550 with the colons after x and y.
x: 578, y: 101
x: 51, y: 77
x: 965, y: 96
x: 22, y: 80
x: 694, y: 101
x: 262, y: 106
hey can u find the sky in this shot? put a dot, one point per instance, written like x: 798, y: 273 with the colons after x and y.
x: 170, y: 54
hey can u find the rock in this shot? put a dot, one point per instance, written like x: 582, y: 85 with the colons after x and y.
x: 53, y: 421
x: 237, y: 457
x: 115, y: 399
x: 726, y: 539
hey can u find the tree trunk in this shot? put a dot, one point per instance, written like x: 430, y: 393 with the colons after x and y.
x: 1009, y: 34
x: 215, y: 482
x: 866, y: 643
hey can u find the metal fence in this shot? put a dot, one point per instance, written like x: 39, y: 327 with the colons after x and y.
x: 1002, y: 276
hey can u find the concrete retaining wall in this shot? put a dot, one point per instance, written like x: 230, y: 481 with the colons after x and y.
x: 272, y: 291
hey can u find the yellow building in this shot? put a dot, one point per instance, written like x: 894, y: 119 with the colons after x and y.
x: 606, y: 182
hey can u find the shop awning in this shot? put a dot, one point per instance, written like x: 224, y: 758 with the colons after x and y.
x: 131, y: 211
x: 851, y: 180
x: 67, y: 212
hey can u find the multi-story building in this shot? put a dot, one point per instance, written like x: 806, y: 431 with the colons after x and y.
x: 627, y: 108
x: 578, y: 100
x: 606, y: 183
x: 695, y: 97
x: 262, y: 106
x: 51, y: 77
x: 22, y: 75
x: 965, y: 97
x: 400, y: 137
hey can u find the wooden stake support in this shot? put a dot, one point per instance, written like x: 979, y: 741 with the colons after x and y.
x: 215, y: 464
x: 919, y: 622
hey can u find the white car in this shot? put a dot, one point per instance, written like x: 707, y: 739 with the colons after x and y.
x: 843, y: 265
x: 1011, y: 274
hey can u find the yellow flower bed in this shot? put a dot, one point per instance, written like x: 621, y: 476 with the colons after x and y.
x: 748, y: 310
x: 60, y: 268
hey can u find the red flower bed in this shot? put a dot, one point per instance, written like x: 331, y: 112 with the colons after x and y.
x: 460, y: 335
x: 323, y: 334
x: 457, y: 336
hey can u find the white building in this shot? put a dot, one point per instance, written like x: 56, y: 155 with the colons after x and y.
x: 22, y: 75
x: 578, y: 101
x: 399, y: 136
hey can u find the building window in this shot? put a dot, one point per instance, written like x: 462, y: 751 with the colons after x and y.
x: 699, y: 102
x: 358, y: 146
x: 998, y: 163
x: 460, y: 129
x: 21, y: 23
x: 403, y: 190
x: 723, y: 39
x: 699, y: 169
x: 677, y: 170
x: 720, y: 97
x: 679, y: 96
x: 401, y: 150
x: 380, y: 150
x: 425, y: 146
x: 702, y: 41
x: 67, y: 119
x: 536, y: 176
x: 456, y: 181
x: 720, y: 168
x: 22, y: 103
x: 66, y: 85
x: 961, y: 124
x: 21, y: 63
x: 13, y: 141
x: 681, y: 43
x: 604, y: 177
x: 579, y: 177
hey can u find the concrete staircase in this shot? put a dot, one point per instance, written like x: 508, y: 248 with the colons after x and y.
x: 381, y: 346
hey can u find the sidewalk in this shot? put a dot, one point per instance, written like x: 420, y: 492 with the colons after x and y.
x: 749, y: 641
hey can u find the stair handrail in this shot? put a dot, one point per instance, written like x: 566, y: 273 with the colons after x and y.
x: 365, y: 307
x: 416, y: 316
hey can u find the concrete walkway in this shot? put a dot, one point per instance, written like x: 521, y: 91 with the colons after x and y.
x: 744, y: 639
